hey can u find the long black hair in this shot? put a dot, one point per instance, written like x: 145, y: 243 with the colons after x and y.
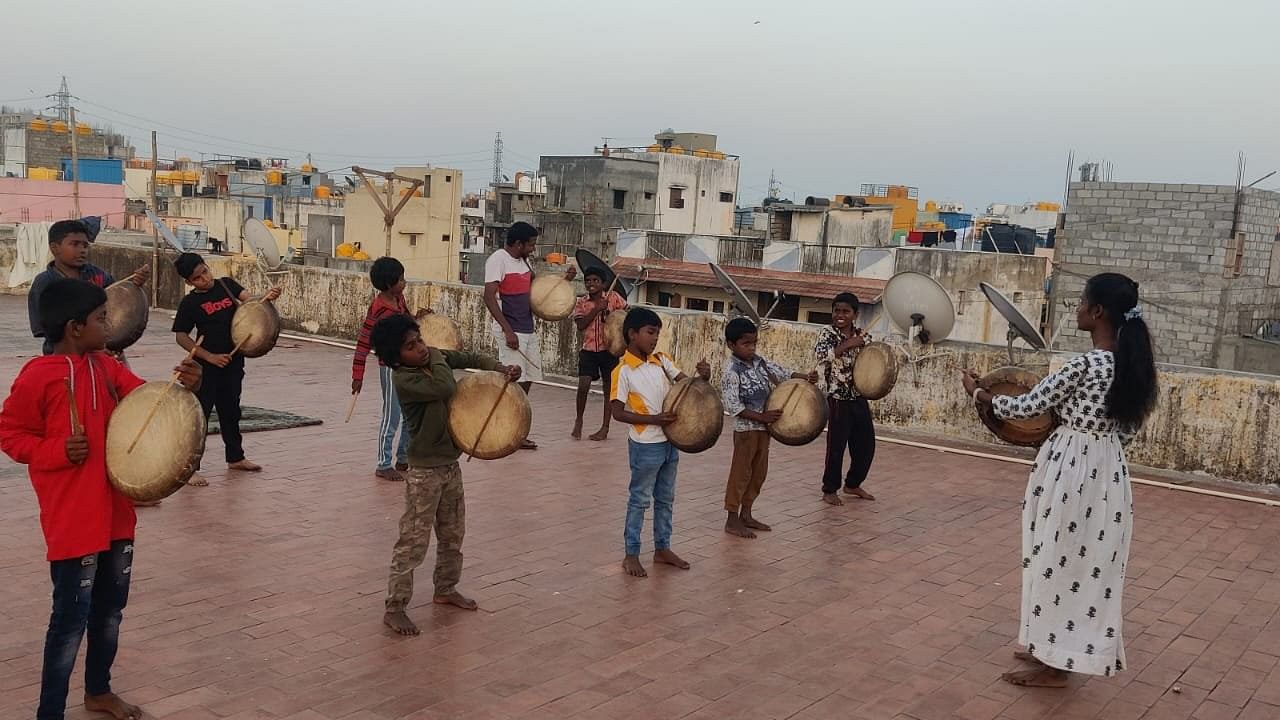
x: 1132, y: 396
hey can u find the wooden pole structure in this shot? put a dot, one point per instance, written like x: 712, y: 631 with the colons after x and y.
x: 155, y: 231
x: 75, y: 167
x: 388, y: 213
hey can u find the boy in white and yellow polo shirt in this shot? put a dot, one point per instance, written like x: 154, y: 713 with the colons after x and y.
x: 640, y: 384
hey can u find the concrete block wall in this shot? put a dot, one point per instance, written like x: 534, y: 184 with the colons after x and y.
x: 1174, y: 240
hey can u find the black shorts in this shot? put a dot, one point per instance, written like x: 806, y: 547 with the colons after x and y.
x: 596, y: 365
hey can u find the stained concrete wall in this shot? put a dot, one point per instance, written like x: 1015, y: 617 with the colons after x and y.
x: 1175, y: 241
x: 579, y: 202
x: 1213, y: 422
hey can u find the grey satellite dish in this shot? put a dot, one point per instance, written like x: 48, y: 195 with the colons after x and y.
x: 259, y: 237
x: 736, y: 297
x: 916, y: 303
x: 165, y: 232
x: 1019, y: 326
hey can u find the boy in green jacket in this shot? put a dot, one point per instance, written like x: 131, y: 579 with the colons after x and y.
x: 424, y: 382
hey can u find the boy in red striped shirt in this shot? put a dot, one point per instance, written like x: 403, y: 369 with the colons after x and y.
x: 387, y: 275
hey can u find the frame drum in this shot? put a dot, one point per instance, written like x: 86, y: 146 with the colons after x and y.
x: 551, y: 297
x: 875, y: 370
x: 699, y: 414
x: 259, y: 321
x: 613, y: 332
x: 168, y: 455
x: 470, y: 406
x: 1015, y: 381
x: 804, y: 412
x: 127, y: 313
x: 440, y: 332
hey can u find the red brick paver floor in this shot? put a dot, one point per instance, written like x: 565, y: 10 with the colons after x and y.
x: 261, y: 596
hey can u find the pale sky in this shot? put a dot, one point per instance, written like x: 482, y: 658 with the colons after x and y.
x: 976, y: 101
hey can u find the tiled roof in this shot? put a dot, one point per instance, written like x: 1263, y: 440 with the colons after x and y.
x: 825, y: 287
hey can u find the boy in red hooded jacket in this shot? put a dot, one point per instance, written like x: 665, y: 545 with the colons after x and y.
x: 88, y: 525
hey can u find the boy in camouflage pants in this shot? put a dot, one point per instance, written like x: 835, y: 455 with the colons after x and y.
x: 424, y: 382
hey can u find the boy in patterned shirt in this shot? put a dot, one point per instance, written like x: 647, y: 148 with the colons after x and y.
x: 744, y: 390
x: 849, y: 422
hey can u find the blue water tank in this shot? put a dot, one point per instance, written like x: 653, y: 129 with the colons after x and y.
x: 107, y: 171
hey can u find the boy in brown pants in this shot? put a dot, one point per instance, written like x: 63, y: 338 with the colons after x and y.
x: 745, y: 388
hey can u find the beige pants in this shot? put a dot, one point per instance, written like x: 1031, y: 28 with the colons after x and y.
x: 747, y: 473
x: 432, y: 499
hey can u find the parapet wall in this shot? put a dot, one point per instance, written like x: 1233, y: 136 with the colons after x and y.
x: 1208, y: 421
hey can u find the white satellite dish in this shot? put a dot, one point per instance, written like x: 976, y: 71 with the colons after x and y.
x: 1019, y: 325
x: 259, y: 237
x: 165, y: 232
x: 738, y: 300
x: 919, y: 306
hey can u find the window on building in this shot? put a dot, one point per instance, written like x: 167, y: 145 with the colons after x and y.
x: 677, y: 198
x: 1235, y: 258
x: 306, y: 179
x: 819, y: 318
x: 704, y: 193
x: 726, y: 197
x: 413, y: 240
x: 664, y: 299
x: 448, y: 178
x: 619, y: 199
x: 250, y: 209
x: 695, y: 304
x: 717, y: 306
x: 426, y: 187
x: 444, y: 238
x: 648, y: 195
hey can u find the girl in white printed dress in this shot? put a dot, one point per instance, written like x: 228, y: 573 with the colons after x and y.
x: 1077, y: 515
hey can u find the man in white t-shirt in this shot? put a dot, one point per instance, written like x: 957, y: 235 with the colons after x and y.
x: 507, y: 277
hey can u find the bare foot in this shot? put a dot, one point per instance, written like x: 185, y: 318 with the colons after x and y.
x: 601, y: 434
x: 577, y: 430
x: 245, y: 466
x: 400, y: 622
x: 859, y: 493
x: 457, y: 600
x: 111, y: 703
x: 528, y: 445
x: 1040, y: 677
x: 631, y: 566
x: 832, y: 499
x: 735, y: 526
x: 198, y: 480
x: 1025, y: 656
x: 666, y: 557
x: 754, y: 524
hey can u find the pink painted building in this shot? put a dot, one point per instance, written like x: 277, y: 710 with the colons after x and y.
x: 25, y: 200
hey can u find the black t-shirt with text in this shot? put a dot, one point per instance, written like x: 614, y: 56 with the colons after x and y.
x: 209, y: 314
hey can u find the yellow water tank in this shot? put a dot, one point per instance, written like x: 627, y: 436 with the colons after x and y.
x: 675, y: 150
x: 322, y: 192
x: 275, y: 177
x: 931, y: 207
x: 405, y: 191
x: 360, y: 255
x: 83, y: 129
x: 702, y: 153
x: 39, y: 173
x: 654, y: 148
x: 308, y: 168
x: 39, y: 125
x: 345, y: 250
x: 58, y: 126
x: 1048, y: 206
x: 268, y: 223
x: 190, y: 177
x: 715, y: 155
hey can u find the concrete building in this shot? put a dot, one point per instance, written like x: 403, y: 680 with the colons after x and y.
x: 675, y: 274
x: 427, y: 233
x: 29, y: 142
x: 1206, y: 257
x: 510, y: 203
x: 680, y: 184
x: 28, y: 200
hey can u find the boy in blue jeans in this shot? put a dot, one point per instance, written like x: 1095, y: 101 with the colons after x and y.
x: 640, y: 384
